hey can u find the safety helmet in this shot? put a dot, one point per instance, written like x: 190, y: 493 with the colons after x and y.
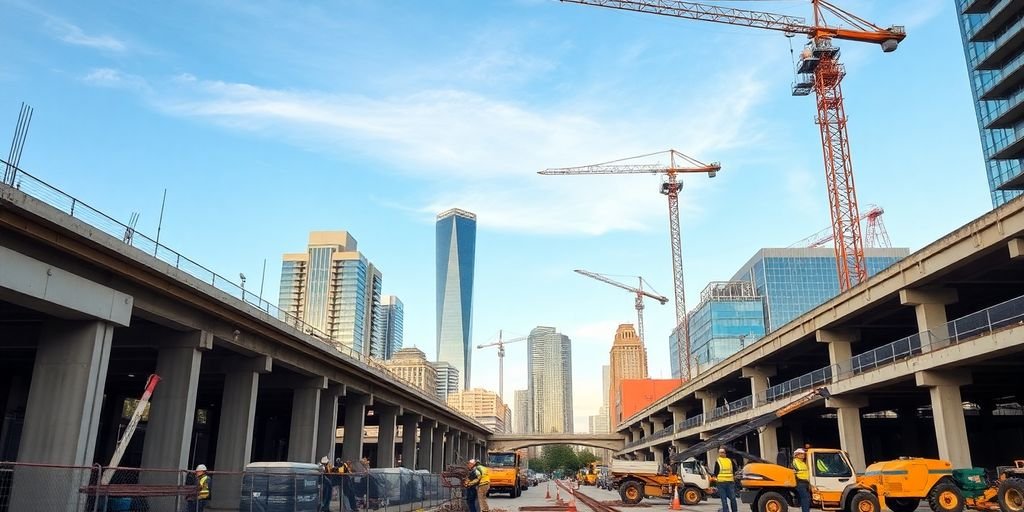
x: 201, y: 467
x: 799, y: 451
x: 325, y: 460
x: 471, y: 462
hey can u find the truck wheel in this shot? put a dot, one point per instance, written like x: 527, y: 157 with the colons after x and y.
x: 772, y: 501
x: 864, y: 502
x: 691, y: 495
x: 1011, y: 495
x: 945, y: 496
x: 902, y: 504
x: 631, y: 492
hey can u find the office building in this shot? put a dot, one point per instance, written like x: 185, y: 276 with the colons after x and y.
x: 993, y: 36
x: 793, y: 281
x: 628, y: 361
x: 411, y: 365
x: 333, y: 289
x: 549, y: 367
x: 484, y: 406
x: 455, y: 260
x: 633, y: 395
x: 522, y: 414
x: 393, y: 313
x: 730, y: 314
x: 447, y: 380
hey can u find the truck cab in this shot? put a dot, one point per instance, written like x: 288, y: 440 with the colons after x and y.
x: 834, y: 485
x: 505, y: 473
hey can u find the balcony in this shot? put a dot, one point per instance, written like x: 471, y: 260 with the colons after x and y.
x: 1010, y: 80
x: 1007, y: 45
x: 1006, y: 116
x: 996, y: 21
x: 1012, y: 151
x: 976, y: 6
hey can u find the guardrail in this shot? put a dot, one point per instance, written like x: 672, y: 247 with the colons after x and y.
x: 27, y: 183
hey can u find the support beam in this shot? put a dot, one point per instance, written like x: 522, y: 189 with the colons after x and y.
x: 410, y: 424
x: 302, y: 436
x: 437, y: 462
x: 712, y: 452
x: 1016, y: 247
x: 768, y: 441
x: 948, y: 413
x: 450, y: 439
x: 930, y: 308
x: 386, y: 435
x: 425, y: 449
x: 355, y: 422
x: 234, y: 436
x: 851, y: 437
x: 758, y: 376
x: 327, y: 428
x: 840, y: 348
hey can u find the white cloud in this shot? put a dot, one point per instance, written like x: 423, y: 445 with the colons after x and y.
x: 107, y: 77
x: 73, y: 34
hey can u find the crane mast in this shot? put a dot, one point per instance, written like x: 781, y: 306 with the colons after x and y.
x: 819, y: 70
x: 501, y: 360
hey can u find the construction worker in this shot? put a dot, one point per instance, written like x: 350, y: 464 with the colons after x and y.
x: 819, y: 464
x: 203, y: 482
x: 480, y: 477
x: 470, y: 486
x: 725, y: 477
x: 348, y: 488
x: 803, y: 479
x: 326, y: 486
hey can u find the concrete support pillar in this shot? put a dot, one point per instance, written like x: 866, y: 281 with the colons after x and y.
x: 172, y: 413
x: 712, y: 452
x: 851, y: 438
x: 302, y: 436
x: 425, y: 449
x: 647, y: 427
x: 327, y: 427
x: 840, y: 350
x: 450, y: 440
x: 930, y: 309
x: 657, y: 423
x: 948, y: 413
x: 758, y: 376
x: 234, y: 436
x: 464, y: 448
x: 678, y: 416
x: 637, y: 433
x: 386, y: 435
x: 659, y: 455
x: 437, y: 463
x: 768, y: 441
x: 410, y: 423
x: 355, y: 422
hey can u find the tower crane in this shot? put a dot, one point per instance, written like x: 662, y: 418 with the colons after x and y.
x: 501, y: 360
x: 877, y: 235
x: 638, y: 290
x: 678, y: 163
x: 818, y: 70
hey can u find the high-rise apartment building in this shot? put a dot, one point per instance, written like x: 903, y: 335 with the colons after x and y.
x: 411, y: 365
x: 549, y: 367
x: 393, y: 313
x: 455, y: 260
x: 335, y: 290
x: 993, y: 35
x: 484, y: 406
x: 730, y: 315
x: 601, y: 423
x: 447, y: 380
x: 628, y: 361
x: 522, y: 413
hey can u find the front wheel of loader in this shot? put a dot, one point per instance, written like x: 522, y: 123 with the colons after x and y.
x: 772, y: 502
x: 691, y: 495
x: 865, y: 502
x: 1011, y: 495
x: 946, y: 497
x: 631, y: 492
x: 902, y: 504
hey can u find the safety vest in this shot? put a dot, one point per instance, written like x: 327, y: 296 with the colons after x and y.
x: 725, y: 469
x: 820, y: 464
x: 484, y: 475
x: 204, y: 487
x: 802, y: 471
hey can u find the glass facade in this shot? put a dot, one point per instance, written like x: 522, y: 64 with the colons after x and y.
x: 317, y: 282
x: 721, y: 327
x: 549, y: 369
x: 349, y: 303
x: 993, y: 36
x: 455, y: 260
x: 376, y: 316
x: 293, y: 280
x: 394, y: 318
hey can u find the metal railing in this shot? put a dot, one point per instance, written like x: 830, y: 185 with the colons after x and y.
x: 39, y: 189
x: 662, y: 433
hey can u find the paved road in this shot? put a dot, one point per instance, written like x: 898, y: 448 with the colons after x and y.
x: 535, y: 497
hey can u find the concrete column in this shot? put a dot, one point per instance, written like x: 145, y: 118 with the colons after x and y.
x: 647, y: 427
x: 355, y: 422
x: 930, y: 308
x: 657, y: 424
x: 948, y: 413
x: 234, y: 436
x: 386, y: 435
x: 437, y: 458
x: 410, y: 422
x: 768, y: 441
x: 758, y: 376
x: 678, y: 416
x: 712, y: 452
x: 659, y: 455
x: 850, y: 437
x: 302, y: 435
x: 464, y: 448
x: 449, y: 446
x: 327, y: 427
x: 425, y: 449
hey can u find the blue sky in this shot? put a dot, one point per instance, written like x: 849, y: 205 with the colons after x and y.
x: 265, y: 120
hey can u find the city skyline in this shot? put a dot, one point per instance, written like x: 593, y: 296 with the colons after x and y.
x: 114, y: 104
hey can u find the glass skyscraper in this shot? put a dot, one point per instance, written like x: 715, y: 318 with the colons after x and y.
x: 455, y: 259
x: 993, y: 35
x: 394, y: 318
x: 549, y: 369
x: 729, y: 316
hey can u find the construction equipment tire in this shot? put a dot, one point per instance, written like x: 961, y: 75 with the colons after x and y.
x: 945, y: 496
x: 864, y: 502
x: 691, y: 495
x: 1011, y: 495
x: 772, y: 502
x: 902, y: 504
x: 631, y: 492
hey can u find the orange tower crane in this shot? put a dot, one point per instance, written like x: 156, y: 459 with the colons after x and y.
x: 818, y: 70
x: 501, y: 360
x: 638, y: 290
x: 876, y: 237
x: 678, y: 163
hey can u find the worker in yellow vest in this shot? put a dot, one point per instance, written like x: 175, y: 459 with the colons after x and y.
x: 480, y: 482
x: 203, y: 481
x: 803, y: 479
x: 725, y: 477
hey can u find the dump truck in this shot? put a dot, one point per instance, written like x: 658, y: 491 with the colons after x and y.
x: 588, y: 475
x: 505, y: 473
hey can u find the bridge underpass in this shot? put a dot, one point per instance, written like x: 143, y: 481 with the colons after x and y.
x: 506, y: 442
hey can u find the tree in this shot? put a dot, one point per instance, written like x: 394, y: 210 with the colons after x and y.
x: 538, y: 465
x: 560, y: 456
x: 586, y: 457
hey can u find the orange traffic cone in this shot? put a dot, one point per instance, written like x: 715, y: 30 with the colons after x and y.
x: 675, y: 500
x: 572, y: 503
x: 547, y: 494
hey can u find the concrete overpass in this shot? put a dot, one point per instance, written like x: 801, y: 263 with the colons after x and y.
x: 503, y: 442
x: 923, y: 359
x: 88, y: 308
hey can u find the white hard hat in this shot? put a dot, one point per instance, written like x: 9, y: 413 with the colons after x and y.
x: 325, y: 460
x: 799, y: 451
x: 201, y: 467
x: 471, y: 461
